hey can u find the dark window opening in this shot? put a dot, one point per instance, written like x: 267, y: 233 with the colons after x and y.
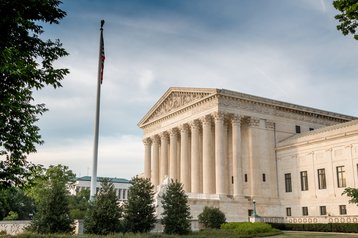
x: 245, y: 177
x: 323, y: 210
x: 264, y: 177
x: 298, y: 129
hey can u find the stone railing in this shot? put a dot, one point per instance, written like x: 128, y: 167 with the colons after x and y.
x: 13, y: 227
x: 17, y: 227
x: 322, y: 219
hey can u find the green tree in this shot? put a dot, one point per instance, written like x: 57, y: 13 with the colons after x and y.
x: 348, y: 18
x: 352, y: 193
x: 26, y: 64
x: 176, y: 215
x: 16, y: 201
x: 52, y: 201
x: 103, y: 215
x: 78, y: 204
x: 139, y: 209
x: 212, y: 217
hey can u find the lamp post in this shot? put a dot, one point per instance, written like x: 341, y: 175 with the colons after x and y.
x: 254, y: 210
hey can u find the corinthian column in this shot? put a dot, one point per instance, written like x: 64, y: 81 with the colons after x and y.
x: 195, y: 157
x: 184, y: 157
x: 164, y: 158
x: 147, y: 157
x: 173, y: 154
x: 220, y: 154
x: 155, y: 161
x: 236, y: 154
x: 208, y: 158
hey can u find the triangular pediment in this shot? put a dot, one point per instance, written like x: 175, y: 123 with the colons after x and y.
x: 173, y: 100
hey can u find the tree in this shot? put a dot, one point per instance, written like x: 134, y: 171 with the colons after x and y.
x: 103, y: 215
x: 78, y: 204
x: 348, y: 18
x: 139, y: 209
x: 176, y: 215
x: 212, y: 217
x: 352, y: 193
x: 26, y: 64
x: 52, y: 201
x: 14, y: 200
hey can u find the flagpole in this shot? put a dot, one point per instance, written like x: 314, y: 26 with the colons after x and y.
x: 96, y: 128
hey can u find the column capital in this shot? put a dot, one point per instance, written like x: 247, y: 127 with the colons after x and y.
x: 147, y: 141
x: 194, y: 124
x: 164, y: 135
x: 184, y: 128
x: 236, y: 119
x: 253, y: 121
x: 218, y: 116
x: 206, y: 120
x: 155, y: 139
x: 173, y: 132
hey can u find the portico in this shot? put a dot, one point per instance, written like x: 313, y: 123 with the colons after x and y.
x: 222, y: 145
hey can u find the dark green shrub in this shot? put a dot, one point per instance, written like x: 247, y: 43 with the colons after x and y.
x: 212, y: 217
x: 176, y: 215
x: 103, y: 214
x: 323, y: 227
x: 247, y: 228
x: 139, y: 209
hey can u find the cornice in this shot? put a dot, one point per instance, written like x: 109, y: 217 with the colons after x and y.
x: 227, y: 98
x: 319, y: 135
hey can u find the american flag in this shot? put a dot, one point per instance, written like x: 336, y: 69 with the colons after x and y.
x: 103, y: 57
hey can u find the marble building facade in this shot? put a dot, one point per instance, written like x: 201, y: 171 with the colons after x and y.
x: 228, y: 148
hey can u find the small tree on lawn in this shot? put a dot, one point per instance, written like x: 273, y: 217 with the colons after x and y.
x: 212, y: 217
x: 103, y: 214
x: 51, y: 197
x: 176, y: 215
x: 139, y: 209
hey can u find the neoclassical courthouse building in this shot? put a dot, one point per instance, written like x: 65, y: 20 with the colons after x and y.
x: 230, y: 149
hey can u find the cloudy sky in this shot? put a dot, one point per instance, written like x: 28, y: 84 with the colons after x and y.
x: 279, y: 49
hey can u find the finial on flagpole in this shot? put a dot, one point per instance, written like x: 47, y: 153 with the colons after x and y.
x: 102, y: 23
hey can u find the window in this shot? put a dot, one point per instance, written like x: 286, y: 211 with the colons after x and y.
x: 245, y: 177
x: 304, y: 211
x: 304, y: 181
x: 311, y: 129
x: 323, y: 210
x: 288, y: 183
x: 298, y: 129
x: 341, y: 179
x: 342, y: 210
x: 288, y: 211
x: 264, y: 177
x: 232, y: 179
x: 249, y: 212
x: 321, y: 179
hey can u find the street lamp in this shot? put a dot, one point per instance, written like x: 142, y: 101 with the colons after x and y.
x: 254, y: 211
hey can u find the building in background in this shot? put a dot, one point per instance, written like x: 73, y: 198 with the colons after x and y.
x: 231, y: 149
x: 121, y: 185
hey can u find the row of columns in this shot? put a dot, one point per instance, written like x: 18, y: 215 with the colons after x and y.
x: 197, y: 159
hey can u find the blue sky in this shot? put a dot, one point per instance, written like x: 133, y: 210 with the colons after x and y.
x: 284, y: 50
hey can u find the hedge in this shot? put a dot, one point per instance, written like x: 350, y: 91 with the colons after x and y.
x: 324, y: 227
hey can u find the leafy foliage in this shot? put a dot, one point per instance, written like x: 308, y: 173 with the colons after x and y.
x: 78, y: 204
x: 139, y: 209
x: 352, y: 193
x: 212, y: 217
x: 15, y: 201
x: 348, y: 18
x: 25, y: 65
x: 248, y: 228
x: 51, y: 196
x: 103, y: 215
x: 176, y: 215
